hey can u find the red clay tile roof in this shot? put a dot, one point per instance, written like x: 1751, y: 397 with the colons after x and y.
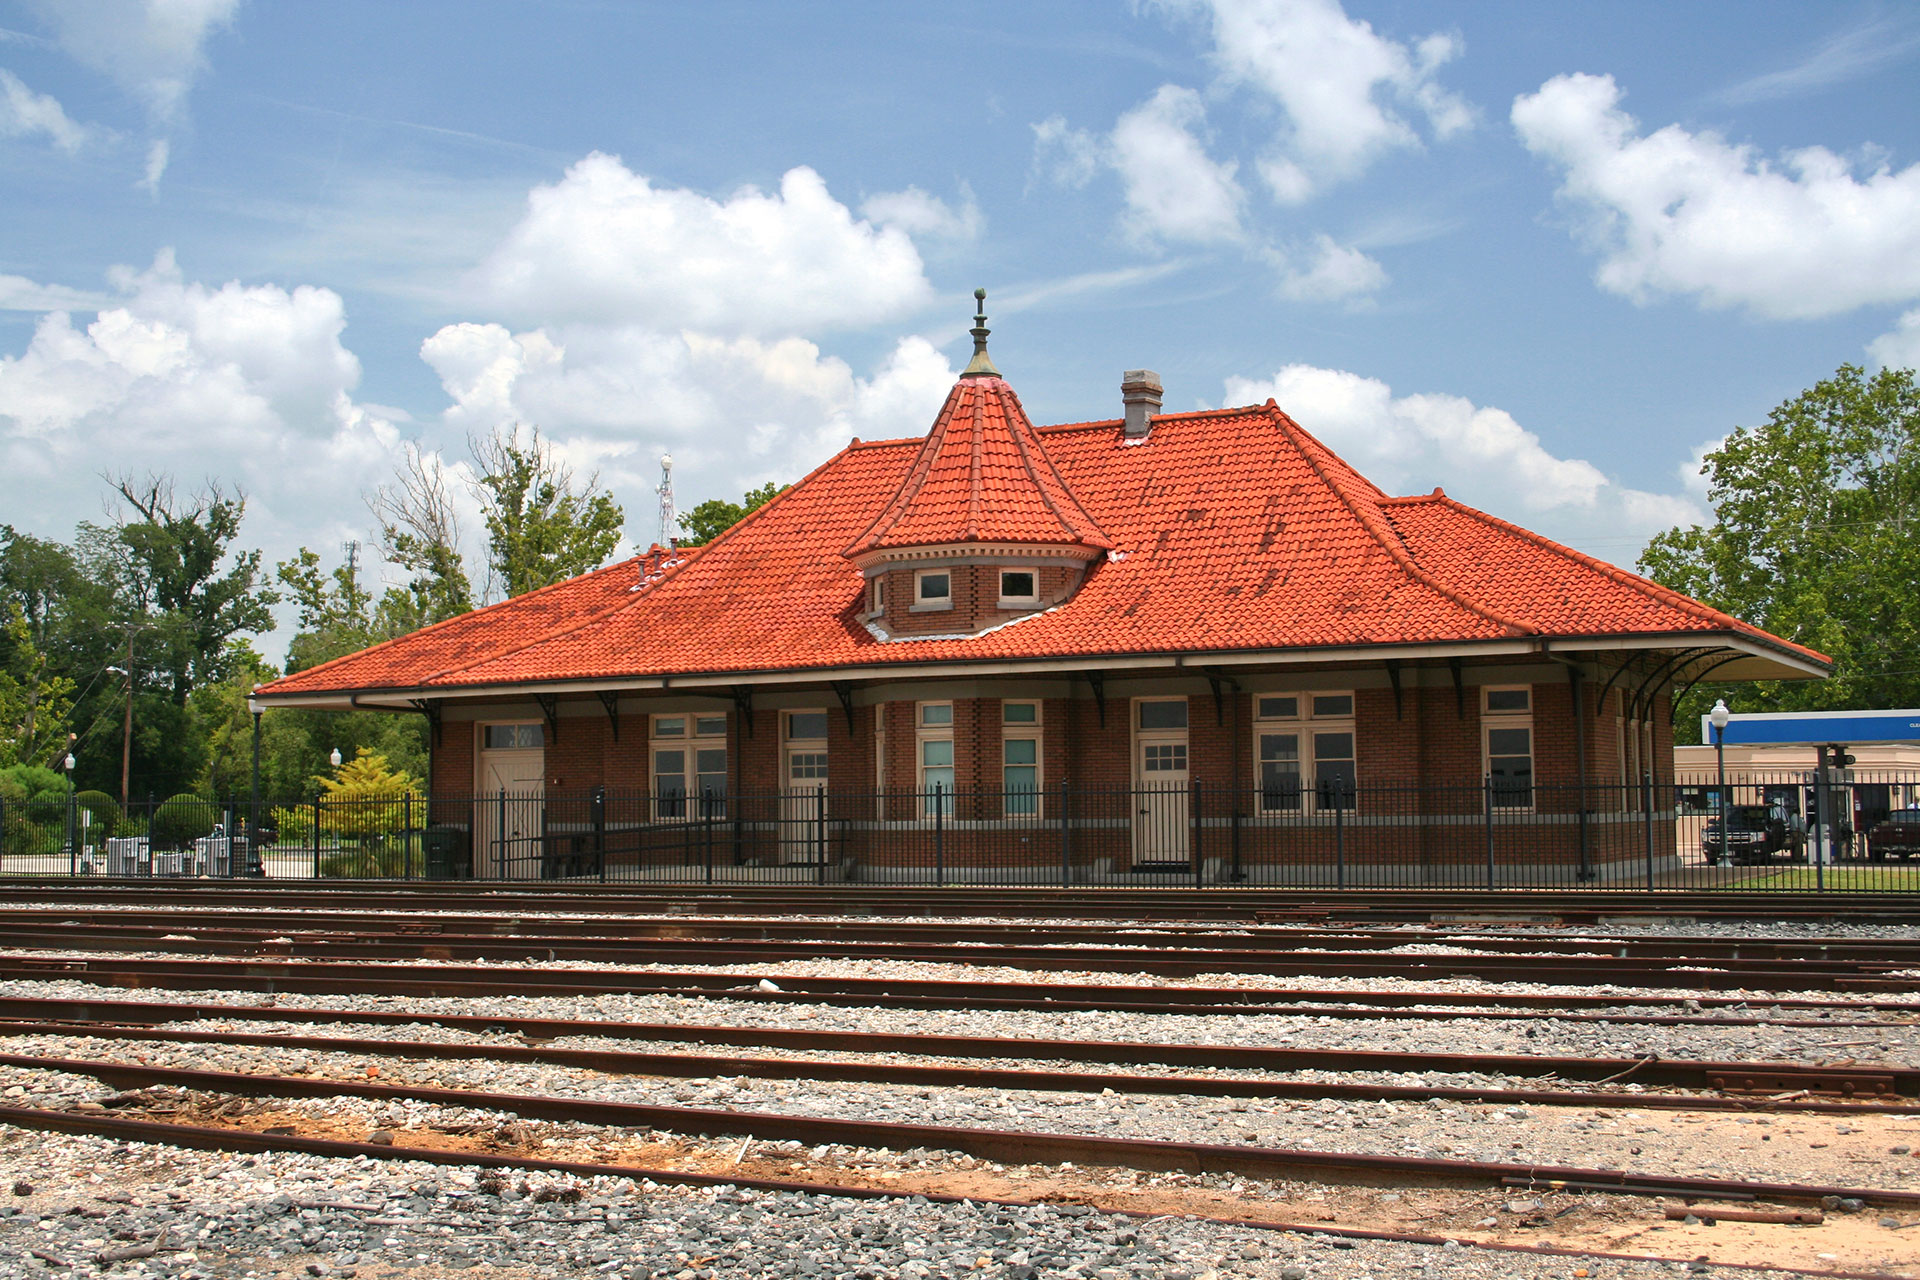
x: 981, y: 476
x: 1231, y: 529
x: 1558, y: 589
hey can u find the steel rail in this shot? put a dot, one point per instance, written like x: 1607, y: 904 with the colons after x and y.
x: 146, y: 1013
x: 1761, y: 1078
x: 1215, y: 903
x: 474, y: 930
x: 1005, y: 1146
x: 271, y: 976
x: 205, y: 1138
x: 1723, y: 974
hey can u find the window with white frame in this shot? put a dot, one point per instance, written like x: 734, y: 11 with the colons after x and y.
x: 932, y: 588
x: 1020, y: 758
x: 513, y: 737
x: 689, y: 760
x: 877, y: 594
x: 933, y: 743
x: 1019, y: 586
x: 1304, y: 748
x: 880, y: 746
x: 1506, y: 724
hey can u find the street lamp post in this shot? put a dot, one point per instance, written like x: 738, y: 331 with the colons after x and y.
x: 73, y: 849
x: 1719, y: 717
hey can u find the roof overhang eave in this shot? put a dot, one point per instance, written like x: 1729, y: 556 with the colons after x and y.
x: 1762, y: 661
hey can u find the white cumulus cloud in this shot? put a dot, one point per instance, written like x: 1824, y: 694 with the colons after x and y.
x: 732, y: 410
x: 1900, y: 348
x: 1347, y: 94
x: 604, y: 245
x: 24, y: 114
x: 1328, y: 271
x: 1478, y: 453
x: 1691, y: 214
x: 1174, y: 190
x: 153, y: 49
x: 246, y: 384
x: 920, y: 214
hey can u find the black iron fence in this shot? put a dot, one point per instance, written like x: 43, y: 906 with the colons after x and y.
x: 1752, y: 832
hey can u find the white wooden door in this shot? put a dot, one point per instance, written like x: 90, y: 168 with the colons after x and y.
x: 506, y: 833
x: 802, y: 803
x: 1161, y: 800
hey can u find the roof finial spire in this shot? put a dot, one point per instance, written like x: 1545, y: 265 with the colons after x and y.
x: 982, y: 365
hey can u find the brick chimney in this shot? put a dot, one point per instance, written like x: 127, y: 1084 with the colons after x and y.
x: 1140, y: 393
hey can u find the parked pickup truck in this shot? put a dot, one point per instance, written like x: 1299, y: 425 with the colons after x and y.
x: 1895, y: 836
x: 1755, y: 833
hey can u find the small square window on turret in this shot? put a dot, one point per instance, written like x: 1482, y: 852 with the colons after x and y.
x: 933, y: 588
x: 1018, y: 587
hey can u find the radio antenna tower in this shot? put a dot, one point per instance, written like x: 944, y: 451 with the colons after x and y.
x: 669, y: 520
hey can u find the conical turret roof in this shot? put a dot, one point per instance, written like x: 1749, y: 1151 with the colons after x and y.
x: 982, y: 476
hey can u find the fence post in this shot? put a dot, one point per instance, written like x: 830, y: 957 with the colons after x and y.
x: 939, y: 835
x: 1486, y: 801
x: 1066, y: 841
x: 1339, y: 845
x: 819, y: 834
x: 1646, y: 809
x: 1239, y: 871
x: 597, y: 811
x: 406, y: 833
x: 500, y: 837
x: 1195, y: 853
x: 316, y: 835
x: 706, y: 828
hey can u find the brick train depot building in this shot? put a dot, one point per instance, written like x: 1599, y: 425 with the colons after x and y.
x: 1099, y: 651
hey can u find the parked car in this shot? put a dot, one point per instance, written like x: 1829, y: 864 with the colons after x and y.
x: 1755, y: 833
x: 1895, y: 836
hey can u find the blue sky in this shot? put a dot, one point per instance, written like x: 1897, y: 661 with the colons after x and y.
x: 1542, y: 255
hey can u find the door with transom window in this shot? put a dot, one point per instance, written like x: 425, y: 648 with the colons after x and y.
x: 1161, y: 804
x: 803, y: 791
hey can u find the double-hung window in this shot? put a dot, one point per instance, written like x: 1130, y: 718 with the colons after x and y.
x: 1304, y: 747
x: 934, y: 743
x: 1020, y: 758
x: 689, y: 760
x: 1506, y: 721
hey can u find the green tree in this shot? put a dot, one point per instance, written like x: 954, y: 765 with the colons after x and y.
x: 35, y: 703
x: 176, y: 560
x: 420, y: 532
x: 542, y: 527
x: 716, y: 515
x: 1815, y: 538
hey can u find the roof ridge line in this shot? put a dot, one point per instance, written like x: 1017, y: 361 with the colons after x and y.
x: 1091, y: 423
x: 667, y: 570
x: 458, y: 617
x: 1390, y: 541
x: 1053, y: 469
x: 976, y: 445
x: 596, y: 619
x: 895, y: 507
x: 1660, y: 591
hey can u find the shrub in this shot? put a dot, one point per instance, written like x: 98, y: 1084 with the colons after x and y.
x: 181, y: 820
x: 104, y: 811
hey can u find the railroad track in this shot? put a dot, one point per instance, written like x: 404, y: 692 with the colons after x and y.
x: 1006, y: 1146
x: 1233, y: 904
x: 1757, y: 1086
x: 484, y: 944
x: 18, y: 926
x: 274, y: 975
x: 1180, y: 961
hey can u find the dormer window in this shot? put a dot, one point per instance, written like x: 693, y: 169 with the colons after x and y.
x: 933, y: 589
x: 1019, y: 587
